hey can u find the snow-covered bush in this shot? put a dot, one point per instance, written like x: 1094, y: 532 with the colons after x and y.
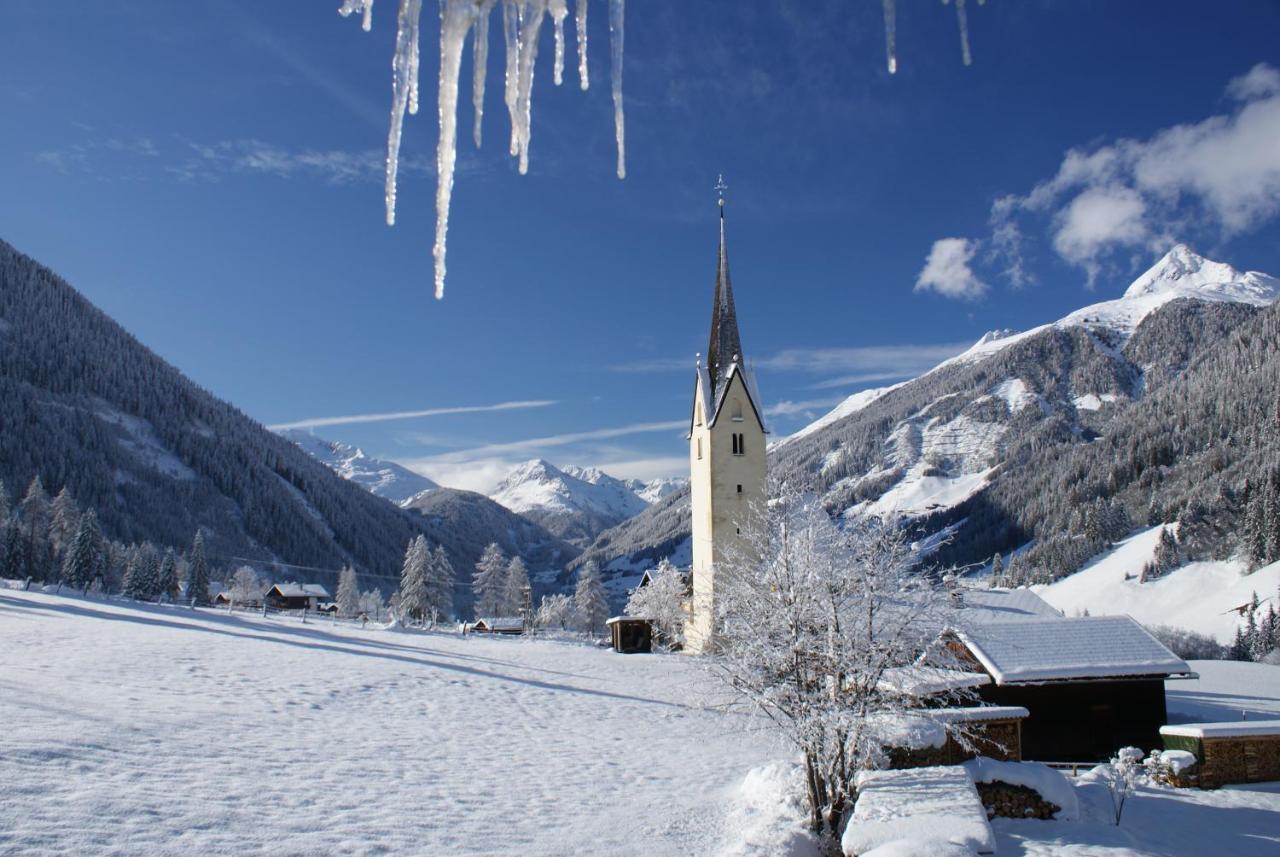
x: 810, y: 619
x: 1121, y: 776
x: 662, y: 603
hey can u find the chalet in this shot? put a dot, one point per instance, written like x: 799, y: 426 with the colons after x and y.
x: 1090, y: 684
x: 506, y: 625
x: 631, y: 635
x: 296, y: 596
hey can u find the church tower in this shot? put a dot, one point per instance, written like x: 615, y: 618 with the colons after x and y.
x: 726, y: 454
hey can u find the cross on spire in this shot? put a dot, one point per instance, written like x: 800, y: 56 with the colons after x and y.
x: 720, y: 188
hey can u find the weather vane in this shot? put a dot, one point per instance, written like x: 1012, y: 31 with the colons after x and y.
x: 720, y: 188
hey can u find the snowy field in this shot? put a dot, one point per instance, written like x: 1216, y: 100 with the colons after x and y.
x: 1198, y: 597
x: 153, y: 730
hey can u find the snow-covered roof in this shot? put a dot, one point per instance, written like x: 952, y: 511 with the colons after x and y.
x: 1058, y: 649
x: 978, y: 713
x: 1234, y: 729
x: 300, y: 590
x: 501, y: 623
x: 926, y: 681
x: 982, y: 606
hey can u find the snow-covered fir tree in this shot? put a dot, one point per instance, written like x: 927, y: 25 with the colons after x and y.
x: 34, y: 515
x: 167, y: 579
x: 440, y: 583
x: 348, y: 596
x: 85, y: 559
x: 197, y: 572
x: 138, y: 583
x: 64, y: 521
x: 489, y: 583
x: 590, y: 600
x: 997, y: 571
x: 414, y: 601
x: 662, y: 603
x: 516, y: 589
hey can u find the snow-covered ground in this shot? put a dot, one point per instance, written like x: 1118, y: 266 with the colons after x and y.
x: 1201, y: 596
x: 137, y: 729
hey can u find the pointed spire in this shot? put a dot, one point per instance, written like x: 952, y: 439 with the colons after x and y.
x: 725, y: 346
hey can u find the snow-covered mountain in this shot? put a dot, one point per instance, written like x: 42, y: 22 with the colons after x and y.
x: 966, y: 446
x: 383, y: 478
x: 576, y: 503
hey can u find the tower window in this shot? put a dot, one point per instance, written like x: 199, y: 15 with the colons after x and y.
x: 739, y: 489
x: 737, y: 412
x: 699, y: 449
x: 739, y: 444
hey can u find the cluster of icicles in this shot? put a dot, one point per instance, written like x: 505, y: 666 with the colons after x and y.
x: 521, y: 23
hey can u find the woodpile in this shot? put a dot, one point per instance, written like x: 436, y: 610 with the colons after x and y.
x: 1003, y: 800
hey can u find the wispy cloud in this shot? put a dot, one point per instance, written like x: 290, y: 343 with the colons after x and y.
x: 120, y: 151
x: 318, y: 422
x: 866, y: 364
x: 1107, y: 204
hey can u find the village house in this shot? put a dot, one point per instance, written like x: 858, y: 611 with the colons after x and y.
x: 506, y: 625
x: 296, y: 596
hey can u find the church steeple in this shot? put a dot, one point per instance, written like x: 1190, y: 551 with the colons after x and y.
x: 726, y: 345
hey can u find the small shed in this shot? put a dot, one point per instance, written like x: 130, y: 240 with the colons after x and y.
x: 1093, y: 684
x: 296, y: 596
x: 1246, y: 751
x: 630, y: 634
x: 506, y: 625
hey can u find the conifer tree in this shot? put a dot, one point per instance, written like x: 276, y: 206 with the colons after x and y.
x: 167, y: 578
x: 489, y: 582
x: 348, y: 593
x: 4, y: 504
x: 516, y: 591
x: 34, y: 514
x: 85, y: 558
x: 440, y: 584
x: 589, y: 599
x: 140, y: 573
x: 413, y: 579
x: 997, y: 571
x: 64, y: 521
x: 15, y: 553
x: 198, y: 572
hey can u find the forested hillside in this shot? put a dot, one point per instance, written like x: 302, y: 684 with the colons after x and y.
x: 86, y: 407
x: 1156, y: 407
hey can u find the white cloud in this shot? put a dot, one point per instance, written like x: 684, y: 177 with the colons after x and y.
x: 947, y: 270
x: 317, y: 422
x: 1099, y: 219
x: 1212, y: 178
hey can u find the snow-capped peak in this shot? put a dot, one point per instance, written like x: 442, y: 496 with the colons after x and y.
x: 1184, y: 272
x: 539, y: 486
x: 384, y: 478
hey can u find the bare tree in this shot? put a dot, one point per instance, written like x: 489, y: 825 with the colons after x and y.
x: 814, y: 624
x: 246, y: 586
x: 662, y: 603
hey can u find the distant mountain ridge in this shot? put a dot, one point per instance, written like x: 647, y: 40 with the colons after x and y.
x: 386, y: 479
x: 576, y: 503
x: 936, y: 449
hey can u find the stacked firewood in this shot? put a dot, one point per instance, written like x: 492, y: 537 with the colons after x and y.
x: 1009, y: 801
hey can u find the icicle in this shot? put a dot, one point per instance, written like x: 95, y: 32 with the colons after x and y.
x: 415, y: 59
x: 365, y: 6
x: 511, y: 36
x: 580, y: 16
x: 891, y: 35
x: 559, y: 10
x: 616, y: 10
x: 530, y: 26
x: 401, y: 65
x: 480, y: 64
x: 456, y: 18
x: 962, y: 18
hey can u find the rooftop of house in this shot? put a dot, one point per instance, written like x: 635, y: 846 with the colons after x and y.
x: 299, y: 590
x: 1047, y: 649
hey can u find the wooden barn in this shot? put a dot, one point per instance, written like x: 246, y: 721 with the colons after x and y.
x: 630, y: 635
x: 296, y: 596
x: 1091, y: 684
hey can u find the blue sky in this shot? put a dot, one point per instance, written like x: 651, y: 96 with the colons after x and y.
x: 210, y: 175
